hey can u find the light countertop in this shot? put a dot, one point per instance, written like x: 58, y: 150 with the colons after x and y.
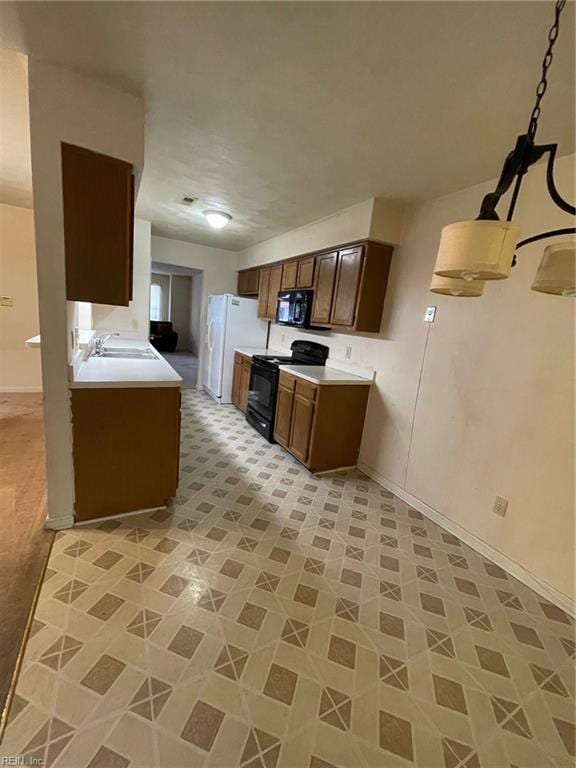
x: 83, y: 339
x: 108, y: 372
x: 319, y: 374
x: 251, y: 351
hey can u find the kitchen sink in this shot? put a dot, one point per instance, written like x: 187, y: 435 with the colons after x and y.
x: 128, y: 353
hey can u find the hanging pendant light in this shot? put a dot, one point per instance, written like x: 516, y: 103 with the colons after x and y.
x: 557, y: 271
x: 484, y: 249
x: 453, y: 286
x: 477, y: 250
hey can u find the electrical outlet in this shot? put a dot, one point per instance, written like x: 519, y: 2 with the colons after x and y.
x: 135, y: 324
x: 500, y: 506
x: 348, y: 353
x: 283, y: 338
x: 430, y: 314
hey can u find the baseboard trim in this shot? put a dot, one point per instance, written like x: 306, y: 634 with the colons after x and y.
x: 98, y: 520
x: 510, y: 566
x: 17, y: 390
x: 59, y: 523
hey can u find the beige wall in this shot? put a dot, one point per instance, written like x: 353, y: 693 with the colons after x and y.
x: 481, y: 402
x: 19, y: 365
x: 218, y: 273
x: 66, y: 106
x: 133, y: 319
x: 378, y: 218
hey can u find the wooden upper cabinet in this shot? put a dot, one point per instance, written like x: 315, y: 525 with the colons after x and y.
x: 305, y: 277
x: 98, y: 201
x: 372, y: 286
x: 326, y: 265
x: 248, y: 280
x: 273, y: 288
x: 349, y: 285
x: 263, y: 291
x: 289, y: 275
x: 346, y: 288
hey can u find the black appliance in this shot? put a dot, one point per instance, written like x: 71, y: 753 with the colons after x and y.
x: 294, y: 308
x: 264, y: 382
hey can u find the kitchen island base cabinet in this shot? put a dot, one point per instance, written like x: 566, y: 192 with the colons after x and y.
x: 126, y: 447
x: 320, y: 425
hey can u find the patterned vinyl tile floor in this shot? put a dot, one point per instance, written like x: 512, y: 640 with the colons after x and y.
x: 273, y: 619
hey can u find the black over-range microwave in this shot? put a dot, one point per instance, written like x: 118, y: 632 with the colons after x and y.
x: 294, y: 308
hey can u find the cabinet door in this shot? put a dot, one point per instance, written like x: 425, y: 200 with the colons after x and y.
x: 305, y: 277
x: 98, y: 226
x: 273, y: 288
x: 289, y: 275
x: 248, y: 282
x: 236, y: 380
x: 324, y: 288
x: 301, y: 429
x: 245, y: 382
x: 347, y: 285
x: 263, y: 290
x: 283, y: 415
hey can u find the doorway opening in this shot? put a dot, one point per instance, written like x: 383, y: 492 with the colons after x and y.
x: 175, y: 308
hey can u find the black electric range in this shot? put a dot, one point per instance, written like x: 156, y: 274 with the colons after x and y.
x: 264, y: 377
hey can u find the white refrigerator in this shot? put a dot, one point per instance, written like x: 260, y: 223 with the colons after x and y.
x: 231, y: 322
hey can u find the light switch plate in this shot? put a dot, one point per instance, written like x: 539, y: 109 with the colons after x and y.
x: 6, y: 301
x: 430, y: 314
x: 500, y: 506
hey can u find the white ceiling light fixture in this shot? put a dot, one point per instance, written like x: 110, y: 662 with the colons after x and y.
x: 484, y: 249
x: 217, y: 219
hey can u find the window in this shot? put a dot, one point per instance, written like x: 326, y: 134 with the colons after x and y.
x: 155, y: 302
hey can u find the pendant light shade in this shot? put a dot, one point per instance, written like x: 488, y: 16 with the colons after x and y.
x: 454, y: 286
x: 477, y: 250
x: 556, y: 273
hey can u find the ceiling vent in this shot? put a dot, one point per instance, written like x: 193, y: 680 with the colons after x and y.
x: 187, y: 200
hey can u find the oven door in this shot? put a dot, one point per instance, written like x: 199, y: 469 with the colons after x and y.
x: 262, y: 391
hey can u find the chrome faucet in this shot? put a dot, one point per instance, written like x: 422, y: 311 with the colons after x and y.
x: 99, y: 342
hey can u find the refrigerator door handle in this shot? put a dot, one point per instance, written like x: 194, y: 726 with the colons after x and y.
x: 209, y: 335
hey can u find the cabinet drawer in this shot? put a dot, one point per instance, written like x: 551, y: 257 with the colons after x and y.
x: 287, y: 380
x: 305, y: 389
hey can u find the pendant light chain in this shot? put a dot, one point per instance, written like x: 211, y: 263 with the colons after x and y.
x: 546, y: 62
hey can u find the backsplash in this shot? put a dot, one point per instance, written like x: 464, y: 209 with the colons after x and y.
x: 346, y: 348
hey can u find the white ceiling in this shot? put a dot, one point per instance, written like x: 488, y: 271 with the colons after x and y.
x: 281, y: 113
x: 15, y: 162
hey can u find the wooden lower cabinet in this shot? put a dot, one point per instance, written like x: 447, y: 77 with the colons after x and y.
x: 301, y: 427
x: 320, y: 425
x: 283, y: 419
x: 241, y: 380
x: 126, y: 449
